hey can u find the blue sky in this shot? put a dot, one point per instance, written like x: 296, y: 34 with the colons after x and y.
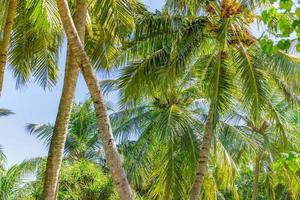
x: 34, y: 105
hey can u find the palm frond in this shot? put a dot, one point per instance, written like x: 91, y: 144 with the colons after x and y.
x: 42, y: 132
x: 5, y: 112
x: 220, y: 85
x: 254, y: 88
x: 37, y: 36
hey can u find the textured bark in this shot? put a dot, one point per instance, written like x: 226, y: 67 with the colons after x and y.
x: 203, y: 158
x: 60, y: 131
x: 11, y: 14
x: 110, y: 149
x: 256, y: 178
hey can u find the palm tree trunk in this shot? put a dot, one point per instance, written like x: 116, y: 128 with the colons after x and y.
x: 60, y: 131
x: 110, y: 149
x: 256, y: 178
x: 11, y: 13
x: 203, y: 157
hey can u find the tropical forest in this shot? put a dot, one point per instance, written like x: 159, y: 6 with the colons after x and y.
x: 149, y: 100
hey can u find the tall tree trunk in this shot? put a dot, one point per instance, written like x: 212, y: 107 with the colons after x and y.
x: 11, y: 14
x: 110, y: 149
x: 203, y: 157
x: 256, y: 178
x: 60, y: 131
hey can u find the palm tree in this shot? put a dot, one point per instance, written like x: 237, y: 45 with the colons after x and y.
x: 158, y: 138
x: 235, y: 144
x: 219, y: 48
x: 24, y: 48
x: 34, y: 42
x: 161, y: 135
x: 82, y: 141
x: 104, y: 44
x: 65, y: 106
x: 36, y: 15
x: 12, y: 181
x: 273, y: 136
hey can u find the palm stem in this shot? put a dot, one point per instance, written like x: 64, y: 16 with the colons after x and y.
x: 60, y: 131
x: 203, y: 157
x: 110, y: 149
x: 256, y: 178
x: 11, y: 13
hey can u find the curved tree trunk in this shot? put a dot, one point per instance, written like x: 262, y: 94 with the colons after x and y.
x: 60, y: 131
x: 11, y: 13
x: 110, y: 149
x: 203, y: 157
x: 256, y: 178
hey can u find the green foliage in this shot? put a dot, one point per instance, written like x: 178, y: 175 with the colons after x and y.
x: 286, y: 4
x: 82, y: 141
x: 157, y: 161
x: 84, y: 180
x: 284, y: 44
x: 285, y: 26
x: 35, y: 41
x: 177, y: 64
x: 290, y: 160
x: 13, y: 180
x: 267, y: 45
x: 283, y: 22
x: 245, y: 182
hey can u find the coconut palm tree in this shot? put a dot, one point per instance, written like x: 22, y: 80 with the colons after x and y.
x: 60, y: 129
x: 27, y: 51
x: 165, y: 131
x: 82, y: 140
x: 273, y: 136
x: 217, y: 45
x: 13, y: 179
x: 104, y: 37
x: 39, y: 12
x: 160, y: 138
x: 235, y: 144
x: 32, y: 37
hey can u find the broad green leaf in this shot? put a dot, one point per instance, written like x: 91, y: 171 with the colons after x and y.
x: 286, y: 4
x: 284, y: 44
x: 285, y: 27
x: 296, y: 23
x: 267, y: 45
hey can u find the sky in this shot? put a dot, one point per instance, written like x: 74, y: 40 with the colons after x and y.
x: 32, y: 104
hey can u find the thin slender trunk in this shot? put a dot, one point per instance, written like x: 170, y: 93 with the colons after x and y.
x: 11, y: 14
x: 203, y: 157
x: 60, y: 132
x: 110, y: 149
x: 256, y: 178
